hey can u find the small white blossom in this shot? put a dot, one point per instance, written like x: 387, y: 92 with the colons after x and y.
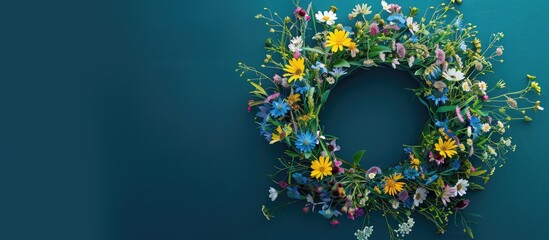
x: 486, y: 127
x: 273, y: 194
x: 296, y: 44
x: 394, y: 204
x: 466, y: 87
x: 371, y: 175
x: 470, y: 142
x: 469, y: 131
x: 405, y: 228
x: 363, y: 9
x: 411, y: 61
x: 482, y: 86
x: 492, y: 151
x: 365, y: 233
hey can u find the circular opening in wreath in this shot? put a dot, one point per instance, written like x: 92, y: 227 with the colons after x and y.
x: 374, y: 110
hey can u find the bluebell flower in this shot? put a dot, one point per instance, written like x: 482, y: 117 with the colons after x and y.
x: 411, y: 174
x: 306, y: 141
x: 280, y: 108
x: 293, y: 193
x: 325, y: 196
x: 438, y: 96
x: 398, y: 19
x: 338, y: 72
x: 431, y: 179
x: 299, y: 178
x: 320, y: 67
x: 263, y: 111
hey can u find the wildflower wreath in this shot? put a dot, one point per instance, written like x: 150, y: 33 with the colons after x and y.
x: 459, y: 148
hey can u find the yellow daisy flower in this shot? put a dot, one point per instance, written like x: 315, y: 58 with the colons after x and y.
x: 321, y: 167
x: 295, y: 69
x: 293, y: 99
x: 446, y: 148
x: 280, y: 133
x: 337, y: 40
x: 414, y: 162
x: 392, y: 185
x: 536, y: 87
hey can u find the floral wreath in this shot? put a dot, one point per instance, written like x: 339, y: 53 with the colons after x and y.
x: 459, y: 148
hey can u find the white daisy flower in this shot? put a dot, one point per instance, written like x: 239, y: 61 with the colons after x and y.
x: 273, y: 194
x: 296, y: 44
x: 453, y: 75
x: 461, y: 186
x: 327, y: 17
x: 419, y: 196
x: 412, y: 26
x: 470, y: 142
x: 385, y: 6
x: 466, y: 87
x: 482, y: 86
x: 486, y: 127
x: 363, y: 9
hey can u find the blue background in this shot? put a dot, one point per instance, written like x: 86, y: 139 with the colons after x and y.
x: 125, y: 120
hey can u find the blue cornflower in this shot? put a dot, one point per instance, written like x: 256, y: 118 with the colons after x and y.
x: 438, y: 96
x: 306, y: 141
x: 299, y: 178
x: 398, y: 19
x: 293, y: 193
x: 444, y: 126
x: 476, y: 124
x: 414, y: 38
x: 410, y: 173
x: 301, y: 87
x: 431, y: 179
x: 321, y: 67
x: 407, y: 150
x: 408, y: 203
x: 329, y: 213
x: 280, y: 108
x: 455, y: 165
x: 265, y: 129
x: 432, y: 73
x: 338, y: 72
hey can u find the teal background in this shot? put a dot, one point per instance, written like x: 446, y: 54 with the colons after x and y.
x: 125, y: 120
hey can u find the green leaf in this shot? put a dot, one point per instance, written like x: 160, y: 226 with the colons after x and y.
x: 419, y: 72
x: 358, y: 156
x: 316, y: 50
x: 477, y: 173
x: 375, y: 50
x: 446, y: 109
x: 470, y: 232
x: 324, y: 97
x: 475, y: 186
x: 356, y: 64
x: 341, y: 63
x: 259, y: 88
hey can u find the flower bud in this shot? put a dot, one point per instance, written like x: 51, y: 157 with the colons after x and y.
x: 527, y: 119
x: 359, y: 24
x: 458, y: 1
x: 413, y: 11
x: 499, y: 51
x: 339, y: 26
x: 287, y: 19
x: 377, y: 17
x: 333, y: 9
x: 368, y: 62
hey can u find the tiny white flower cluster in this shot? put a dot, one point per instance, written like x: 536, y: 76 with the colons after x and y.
x: 405, y: 228
x: 365, y: 233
